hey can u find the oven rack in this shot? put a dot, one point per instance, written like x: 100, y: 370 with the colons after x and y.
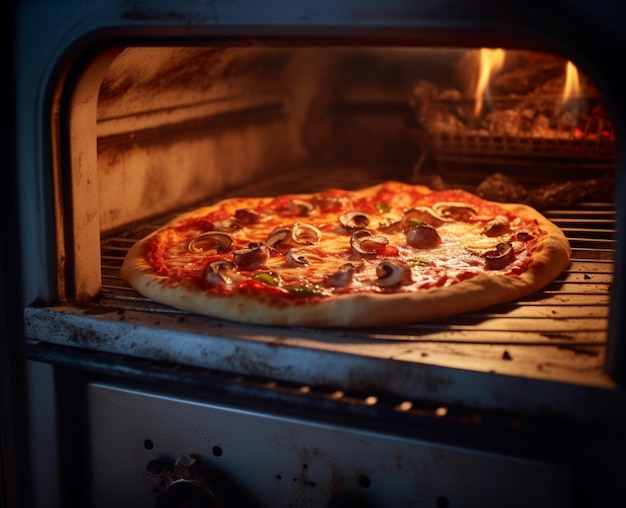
x: 555, y: 338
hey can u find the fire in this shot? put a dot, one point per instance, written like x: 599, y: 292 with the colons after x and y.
x: 491, y: 61
x: 572, y: 82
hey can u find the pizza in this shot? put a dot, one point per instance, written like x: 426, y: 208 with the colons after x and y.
x: 388, y: 254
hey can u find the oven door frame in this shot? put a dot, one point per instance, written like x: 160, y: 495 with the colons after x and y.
x: 83, y: 28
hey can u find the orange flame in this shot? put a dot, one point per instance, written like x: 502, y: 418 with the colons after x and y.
x: 572, y: 82
x: 491, y: 61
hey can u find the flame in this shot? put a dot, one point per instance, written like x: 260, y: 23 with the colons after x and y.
x: 491, y: 61
x: 572, y: 82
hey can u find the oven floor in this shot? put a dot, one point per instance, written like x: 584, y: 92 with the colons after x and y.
x: 545, y: 350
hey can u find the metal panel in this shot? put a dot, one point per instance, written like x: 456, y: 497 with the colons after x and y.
x: 289, y: 462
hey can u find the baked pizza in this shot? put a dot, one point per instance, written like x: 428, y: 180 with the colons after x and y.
x: 389, y: 254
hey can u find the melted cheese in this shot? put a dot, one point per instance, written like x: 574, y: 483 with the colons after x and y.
x: 459, y: 256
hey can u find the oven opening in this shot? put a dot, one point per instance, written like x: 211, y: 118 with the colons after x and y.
x: 155, y: 131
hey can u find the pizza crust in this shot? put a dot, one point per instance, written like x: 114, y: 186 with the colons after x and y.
x: 550, y: 256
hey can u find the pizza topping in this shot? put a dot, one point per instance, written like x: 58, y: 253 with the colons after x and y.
x: 220, y: 273
x: 277, y: 236
x: 500, y: 257
x: 364, y: 242
x: 252, y: 258
x: 268, y: 278
x: 300, y: 257
x: 299, y: 233
x: 455, y: 211
x: 423, y: 236
x: 228, y: 224
x: 342, y: 277
x: 524, y: 236
x: 421, y: 214
x: 300, y: 207
x: 248, y: 217
x: 354, y: 220
x: 393, y: 273
x: 390, y: 223
x: 498, y: 226
x: 304, y: 290
x: 210, y: 240
x: 305, y: 234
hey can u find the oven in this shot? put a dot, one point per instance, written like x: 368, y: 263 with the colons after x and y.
x: 129, y: 113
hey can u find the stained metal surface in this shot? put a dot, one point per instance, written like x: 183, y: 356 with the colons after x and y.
x: 290, y: 462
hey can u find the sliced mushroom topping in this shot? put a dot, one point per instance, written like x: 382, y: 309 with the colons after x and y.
x: 498, y: 226
x: 228, y: 224
x: 393, y: 273
x: 305, y: 234
x: 342, y: 277
x: 255, y: 256
x: 220, y: 273
x: 211, y: 240
x: 300, y: 207
x: 423, y: 236
x: 329, y: 203
x: 365, y: 242
x: 390, y: 223
x: 524, y: 236
x: 277, y: 236
x: 500, y: 257
x: 301, y: 257
x: 455, y: 211
x: 354, y: 220
x: 421, y: 214
x: 248, y: 217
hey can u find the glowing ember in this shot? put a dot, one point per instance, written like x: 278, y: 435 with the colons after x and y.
x: 491, y: 60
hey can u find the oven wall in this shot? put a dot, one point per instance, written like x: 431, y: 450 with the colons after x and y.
x: 179, y: 125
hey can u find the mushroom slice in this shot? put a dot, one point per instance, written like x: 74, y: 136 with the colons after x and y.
x: 423, y: 236
x: 300, y: 207
x: 365, y: 242
x: 277, y: 236
x: 210, y: 240
x: 498, y: 226
x: 393, y: 273
x: 248, y: 217
x: 524, y: 236
x: 305, y: 234
x: 255, y: 256
x: 219, y: 273
x: 422, y: 214
x: 342, y: 277
x: 390, y: 223
x: 228, y: 224
x: 455, y: 211
x: 301, y: 257
x: 502, y: 256
x: 354, y: 220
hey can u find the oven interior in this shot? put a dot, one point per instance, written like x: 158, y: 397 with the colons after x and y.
x: 155, y: 131
x: 171, y: 128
